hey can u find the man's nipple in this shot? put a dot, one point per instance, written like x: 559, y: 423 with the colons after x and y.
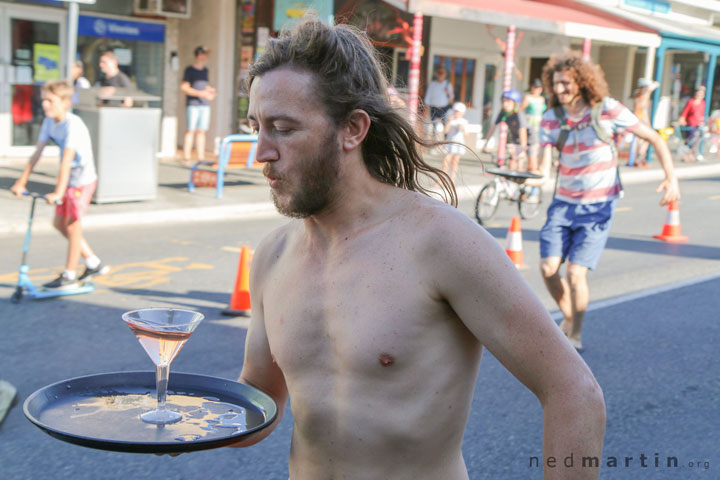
x: 386, y: 359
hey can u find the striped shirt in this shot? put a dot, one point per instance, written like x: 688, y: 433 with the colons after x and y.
x: 588, y: 168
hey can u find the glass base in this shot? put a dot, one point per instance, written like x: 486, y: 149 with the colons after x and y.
x: 161, y: 417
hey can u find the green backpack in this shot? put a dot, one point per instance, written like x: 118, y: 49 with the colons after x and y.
x: 603, y: 135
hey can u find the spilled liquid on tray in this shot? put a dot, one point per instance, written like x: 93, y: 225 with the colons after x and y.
x: 202, y: 416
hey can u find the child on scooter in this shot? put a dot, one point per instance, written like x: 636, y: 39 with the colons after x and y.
x: 75, y: 184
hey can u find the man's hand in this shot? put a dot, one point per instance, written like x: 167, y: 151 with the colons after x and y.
x: 209, y: 93
x: 672, y: 190
x: 18, y: 188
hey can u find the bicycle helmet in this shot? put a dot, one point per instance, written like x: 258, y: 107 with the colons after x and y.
x: 513, y: 95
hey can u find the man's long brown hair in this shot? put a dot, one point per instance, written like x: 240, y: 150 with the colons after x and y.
x: 349, y: 77
x: 589, y: 77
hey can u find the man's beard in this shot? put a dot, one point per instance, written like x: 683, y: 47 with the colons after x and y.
x: 315, y: 184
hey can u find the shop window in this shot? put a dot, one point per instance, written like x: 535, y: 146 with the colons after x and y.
x: 462, y: 76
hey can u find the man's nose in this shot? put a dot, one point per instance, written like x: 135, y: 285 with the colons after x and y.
x: 266, y: 149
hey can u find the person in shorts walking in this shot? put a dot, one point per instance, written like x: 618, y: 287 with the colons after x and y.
x: 76, y: 180
x: 588, y: 183
x: 199, y: 94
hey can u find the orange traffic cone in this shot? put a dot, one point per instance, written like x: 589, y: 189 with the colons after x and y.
x: 513, y: 243
x: 240, y: 300
x: 671, y: 229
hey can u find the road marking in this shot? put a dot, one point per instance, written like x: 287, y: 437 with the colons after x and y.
x: 623, y: 209
x: 129, y: 275
x: 231, y: 249
x: 611, y: 302
x: 715, y: 197
x: 237, y: 322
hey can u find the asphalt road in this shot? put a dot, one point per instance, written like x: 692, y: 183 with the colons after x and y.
x: 650, y: 339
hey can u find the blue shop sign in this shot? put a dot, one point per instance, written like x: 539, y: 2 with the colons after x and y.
x: 655, y: 6
x: 121, y: 29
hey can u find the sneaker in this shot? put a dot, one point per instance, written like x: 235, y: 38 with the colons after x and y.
x: 101, y: 269
x: 61, y: 283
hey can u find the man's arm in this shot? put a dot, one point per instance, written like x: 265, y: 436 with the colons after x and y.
x: 473, y: 274
x: 21, y: 183
x: 259, y: 368
x: 207, y: 94
x: 670, y: 184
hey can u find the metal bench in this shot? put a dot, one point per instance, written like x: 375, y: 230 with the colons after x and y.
x: 236, y: 151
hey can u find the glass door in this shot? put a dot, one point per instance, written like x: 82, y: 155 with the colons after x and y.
x: 31, y: 53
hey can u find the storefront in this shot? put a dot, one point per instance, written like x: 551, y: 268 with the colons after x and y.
x: 32, y: 46
x: 33, y: 51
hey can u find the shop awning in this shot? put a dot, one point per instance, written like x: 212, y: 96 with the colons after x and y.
x: 666, y: 28
x: 561, y: 17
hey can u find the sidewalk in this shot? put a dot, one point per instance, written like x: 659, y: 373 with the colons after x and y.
x: 246, y: 194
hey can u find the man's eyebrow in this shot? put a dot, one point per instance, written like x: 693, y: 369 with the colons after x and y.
x: 275, y: 118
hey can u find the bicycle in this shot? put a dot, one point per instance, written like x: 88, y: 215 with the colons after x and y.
x: 700, y: 144
x: 508, y: 185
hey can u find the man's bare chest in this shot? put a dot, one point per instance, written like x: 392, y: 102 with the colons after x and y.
x: 356, y: 313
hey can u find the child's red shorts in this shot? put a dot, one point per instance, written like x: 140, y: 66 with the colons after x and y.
x: 76, y: 201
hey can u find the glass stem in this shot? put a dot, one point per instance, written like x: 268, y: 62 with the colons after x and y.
x: 162, y: 373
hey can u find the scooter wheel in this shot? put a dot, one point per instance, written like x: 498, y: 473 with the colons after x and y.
x: 17, y: 296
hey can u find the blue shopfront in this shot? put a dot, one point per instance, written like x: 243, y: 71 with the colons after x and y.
x: 693, y: 63
x: 138, y: 46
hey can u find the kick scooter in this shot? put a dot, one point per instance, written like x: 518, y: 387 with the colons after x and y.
x: 25, y: 286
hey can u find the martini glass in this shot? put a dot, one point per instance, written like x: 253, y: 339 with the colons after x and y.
x: 162, y: 332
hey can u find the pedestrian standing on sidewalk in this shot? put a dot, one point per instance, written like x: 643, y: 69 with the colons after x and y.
x: 641, y: 108
x: 692, y: 117
x: 439, y: 97
x: 113, y: 78
x: 199, y: 93
x: 455, y: 133
x: 384, y: 344
x: 588, y: 182
x: 76, y: 181
x: 533, y: 106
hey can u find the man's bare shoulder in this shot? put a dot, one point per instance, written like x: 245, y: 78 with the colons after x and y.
x: 437, y: 225
x: 273, y: 245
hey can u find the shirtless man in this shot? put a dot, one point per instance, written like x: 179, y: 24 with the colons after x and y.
x: 366, y: 312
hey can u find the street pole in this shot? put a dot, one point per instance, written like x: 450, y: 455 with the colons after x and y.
x: 507, y: 85
x: 587, y: 46
x: 414, y: 76
x: 72, y: 30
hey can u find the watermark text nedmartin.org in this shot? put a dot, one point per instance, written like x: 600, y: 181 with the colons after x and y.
x: 653, y: 461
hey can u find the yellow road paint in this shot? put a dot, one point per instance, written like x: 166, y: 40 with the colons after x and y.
x: 623, y: 209
x: 129, y: 275
x: 231, y: 249
x: 715, y: 197
x: 199, y: 266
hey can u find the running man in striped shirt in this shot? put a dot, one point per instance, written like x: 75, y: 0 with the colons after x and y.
x: 588, y: 183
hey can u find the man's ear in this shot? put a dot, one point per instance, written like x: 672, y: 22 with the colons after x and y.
x: 355, y: 129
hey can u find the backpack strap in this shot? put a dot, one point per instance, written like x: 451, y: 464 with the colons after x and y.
x: 606, y: 137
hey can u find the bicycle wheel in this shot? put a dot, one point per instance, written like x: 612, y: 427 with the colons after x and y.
x: 529, y: 202
x: 487, y: 202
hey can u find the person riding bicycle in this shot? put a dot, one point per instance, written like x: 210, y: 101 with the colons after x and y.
x: 519, y: 135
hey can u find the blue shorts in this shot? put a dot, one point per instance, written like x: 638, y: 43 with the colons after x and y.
x: 197, y: 117
x: 576, y: 232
